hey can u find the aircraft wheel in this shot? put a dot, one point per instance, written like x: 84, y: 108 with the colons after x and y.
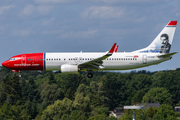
x: 89, y: 75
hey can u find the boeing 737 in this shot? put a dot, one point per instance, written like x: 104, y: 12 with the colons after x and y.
x: 155, y: 53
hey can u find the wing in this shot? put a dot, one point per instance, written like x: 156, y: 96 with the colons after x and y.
x: 97, y: 63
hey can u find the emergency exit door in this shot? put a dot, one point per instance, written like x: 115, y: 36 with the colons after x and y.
x: 23, y: 59
x: 144, y: 59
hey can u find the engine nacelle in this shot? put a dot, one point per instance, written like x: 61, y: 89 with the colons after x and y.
x: 66, y: 68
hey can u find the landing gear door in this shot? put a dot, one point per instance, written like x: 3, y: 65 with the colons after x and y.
x: 23, y: 60
x: 144, y: 59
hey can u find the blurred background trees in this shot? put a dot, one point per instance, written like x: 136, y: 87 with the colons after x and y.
x: 52, y: 95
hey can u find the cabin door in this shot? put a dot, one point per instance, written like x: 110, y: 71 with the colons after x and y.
x: 144, y: 59
x: 23, y: 60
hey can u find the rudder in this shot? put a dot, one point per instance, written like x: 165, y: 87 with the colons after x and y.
x: 162, y: 43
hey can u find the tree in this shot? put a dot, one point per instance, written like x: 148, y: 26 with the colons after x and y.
x: 169, y: 80
x: 51, y: 78
x: 12, y: 112
x: 98, y: 117
x: 115, y: 86
x: 76, y: 115
x: 157, y: 95
x: 165, y: 112
x: 31, y: 109
x: 99, y: 110
x: 137, y: 98
x: 69, y: 83
x: 58, y: 109
x: 10, y: 89
x: 50, y: 94
x: 82, y: 103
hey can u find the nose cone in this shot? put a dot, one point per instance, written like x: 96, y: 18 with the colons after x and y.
x: 5, y: 64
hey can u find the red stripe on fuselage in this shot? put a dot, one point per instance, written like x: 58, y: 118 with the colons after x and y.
x: 30, y: 61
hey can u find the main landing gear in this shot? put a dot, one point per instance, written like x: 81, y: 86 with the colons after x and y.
x: 19, y: 74
x: 89, y: 75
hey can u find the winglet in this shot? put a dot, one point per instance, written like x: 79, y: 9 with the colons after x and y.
x: 112, y: 49
x: 115, y: 50
x: 172, y: 23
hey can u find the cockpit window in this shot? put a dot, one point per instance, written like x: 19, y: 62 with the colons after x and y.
x: 11, y: 59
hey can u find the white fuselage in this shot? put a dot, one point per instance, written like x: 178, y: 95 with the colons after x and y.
x: 118, y: 61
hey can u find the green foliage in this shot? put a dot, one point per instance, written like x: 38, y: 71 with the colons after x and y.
x: 151, y: 111
x: 169, y: 80
x: 127, y: 115
x: 50, y: 94
x: 99, y: 111
x: 10, y: 89
x: 157, y: 95
x: 75, y: 115
x: 178, y: 104
x: 58, y: 109
x: 51, y: 78
x: 98, y: 117
x: 138, y: 96
x: 31, y: 109
x: 12, y: 112
x: 164, y: 112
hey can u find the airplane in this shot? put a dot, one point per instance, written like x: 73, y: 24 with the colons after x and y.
x: 74, y: 62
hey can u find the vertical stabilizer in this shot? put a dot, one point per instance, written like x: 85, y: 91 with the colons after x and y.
x: 162, y: 43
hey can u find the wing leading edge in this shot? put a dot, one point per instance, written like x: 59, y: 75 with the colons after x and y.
x: 97, y: 63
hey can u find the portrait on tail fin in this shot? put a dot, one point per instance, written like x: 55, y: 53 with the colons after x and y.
x: 165, y: 47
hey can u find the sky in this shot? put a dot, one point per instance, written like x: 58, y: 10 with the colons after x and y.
x: 31, y: 26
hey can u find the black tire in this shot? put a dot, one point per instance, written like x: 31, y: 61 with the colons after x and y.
x: 89, y: 75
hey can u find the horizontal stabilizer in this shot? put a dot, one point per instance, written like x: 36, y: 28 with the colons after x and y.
x: 167, y: 55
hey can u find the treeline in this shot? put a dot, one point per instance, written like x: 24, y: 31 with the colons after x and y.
x: 56, y: 96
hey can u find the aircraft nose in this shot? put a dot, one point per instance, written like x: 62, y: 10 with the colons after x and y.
x: 5, y: 64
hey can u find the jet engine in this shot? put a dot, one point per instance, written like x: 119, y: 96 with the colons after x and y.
x: 67, y: 68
